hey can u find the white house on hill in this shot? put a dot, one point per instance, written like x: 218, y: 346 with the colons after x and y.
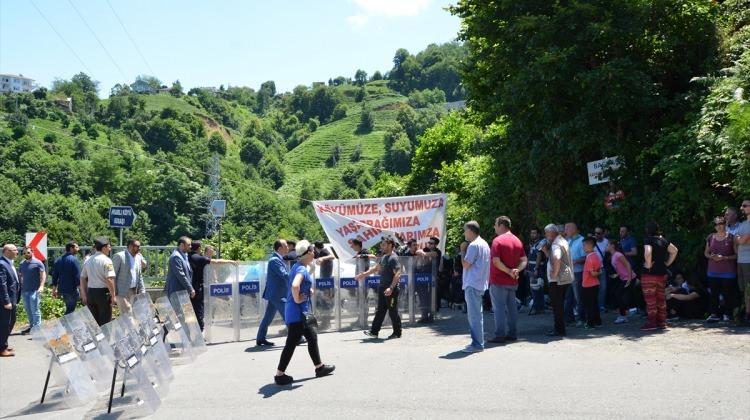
x: 15, y: 83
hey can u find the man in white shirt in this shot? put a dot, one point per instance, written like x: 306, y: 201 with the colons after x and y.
x: 476, y: 273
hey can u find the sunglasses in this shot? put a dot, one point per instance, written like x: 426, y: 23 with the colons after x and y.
x: 719, y: 224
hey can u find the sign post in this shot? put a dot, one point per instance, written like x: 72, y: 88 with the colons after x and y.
x: 121, y: 217
x: 37, y: 241
x: 597, y: 168
x: 218, y: 210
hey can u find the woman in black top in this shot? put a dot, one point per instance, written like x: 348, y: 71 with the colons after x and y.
x: 658, y: 254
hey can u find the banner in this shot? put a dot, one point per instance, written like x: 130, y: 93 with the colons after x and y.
x: 415, y: 217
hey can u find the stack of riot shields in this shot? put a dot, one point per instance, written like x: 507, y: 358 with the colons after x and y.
x: 183, y: 309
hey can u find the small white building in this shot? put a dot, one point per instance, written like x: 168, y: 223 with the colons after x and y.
x: 11, y: 83
x: 141, y: 86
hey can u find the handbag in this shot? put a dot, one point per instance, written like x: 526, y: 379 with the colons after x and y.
x: 309, y: 320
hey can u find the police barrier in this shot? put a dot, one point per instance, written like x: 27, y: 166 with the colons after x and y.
x: 156, y: 370
x: 73, y: 384
x: 185, y: 313
x: 157, y: 359
x: 220, y: 322
x: 235, y: 306
x: 142, y: 398
x: 177, y: 343
x: 96, y: 355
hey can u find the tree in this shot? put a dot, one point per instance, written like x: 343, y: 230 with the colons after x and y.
x: 153, y: 82
x: 40, y: 93
x: 356, y: 153
x: 360, y: 77
x: 339, y: 112
x: 217, y: 144
x: 176, y: 89
x: 376, y: 76
x: 366, y: 120
x: 271, y: 169
x: 335, y: 155
x: 360, y: 95
x: 252, y: 150
x: 85, y: 82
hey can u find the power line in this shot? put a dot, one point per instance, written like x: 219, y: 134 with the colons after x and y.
x: 61, y: 37
x: 131, y: 38
x: 112, y: 59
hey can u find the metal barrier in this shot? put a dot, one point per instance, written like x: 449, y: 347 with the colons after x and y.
x: 235, y: 306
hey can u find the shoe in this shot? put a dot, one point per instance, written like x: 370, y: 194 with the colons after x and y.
x: 394, y: 335
x: 673, y: 318
x: 425, y: 320
x: 621, y: 320
x: 580, y: 324
x: 283, y: 379
x: 648, y: 327
x: 324, y: 370
x: 263, y: 343
x: 661, y: 327
x: 497, y: 340
x: 555, y: 334
x: 471, y: 349
x: 26, y: 331
x: 586, y: 326
x: 510, y: 338
x: 370, y: 334
x: 713, y: 318
x: 302, y: 340
x: 726, y: 318
x: 7, y: 353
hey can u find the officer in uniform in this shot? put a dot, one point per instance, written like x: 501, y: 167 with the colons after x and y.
x: 98, y: 282
x: 389, y: 268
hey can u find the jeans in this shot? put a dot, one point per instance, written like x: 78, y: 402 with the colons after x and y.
x: 295, y: 332
x: 71, y: 300
x: 603, y: 289
x: 504, y: 304
x: 574, y: 299
x: 31, y: 301
x: 273, y: 306
x: 474, y: 313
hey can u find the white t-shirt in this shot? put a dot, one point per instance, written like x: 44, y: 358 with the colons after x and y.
x: 603, y: 244
x: 478, y: 254
x: 558, y: 245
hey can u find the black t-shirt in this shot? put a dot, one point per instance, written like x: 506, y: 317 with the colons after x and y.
x: 362, y: 261
x: 424, y: 264
x: 389, y: 265
x: 197, y: 263
x: 659, y: 255
x: 326, y: 267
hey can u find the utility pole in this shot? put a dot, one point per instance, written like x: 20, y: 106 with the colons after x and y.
x: 212, y: 223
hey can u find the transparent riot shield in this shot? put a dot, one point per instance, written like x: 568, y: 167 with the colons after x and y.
x: 425, y: 281
x: 151, y: 334
x: 350, y: 297
x: 183, y: 307
x: 372, y: 284
x: 98, y: 363
x: 251, y: 304
x: 97, y: 333
x: 138, y: 395
x: 325, y: 298
x: 158, y: 373
x: 72, y: 384
x: 220, y: 320
x: 175, y: 338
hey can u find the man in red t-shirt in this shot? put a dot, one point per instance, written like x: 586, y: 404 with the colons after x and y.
x: 508, y: 261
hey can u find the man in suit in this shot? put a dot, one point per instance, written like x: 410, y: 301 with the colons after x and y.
x: 179, y: 273
x: 275, y: 291
x: 8, y: 297
x: 128, y: 278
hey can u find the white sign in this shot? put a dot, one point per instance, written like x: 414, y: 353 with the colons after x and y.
x: 37, y: 241
x: 596, y: 169
x: 415, y: 217
x: 219, y: 208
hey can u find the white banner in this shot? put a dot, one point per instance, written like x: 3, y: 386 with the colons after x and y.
x: 415, y: 217
x: 596, y: 169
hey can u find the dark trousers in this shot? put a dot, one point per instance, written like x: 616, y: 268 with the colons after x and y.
x: 591, y: 304
x: 424, y: 293
x: 7, y: 322
x: 387, y: 304
x: 197, y: 302
x: 71, y: 300
x: 729, y: 289
x: 273, y: 306
x: 623, y: 295
x: 99, y: 302
x: 557, y: 298
x: 295, y: 331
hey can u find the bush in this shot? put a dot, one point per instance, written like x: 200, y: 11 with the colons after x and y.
x: 339, y: 112
x: 252, y: 150
x: 366, y: 120
x: 217, y: 144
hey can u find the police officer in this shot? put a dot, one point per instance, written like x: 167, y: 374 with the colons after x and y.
x: 388, y: 290
x: 98, y: 282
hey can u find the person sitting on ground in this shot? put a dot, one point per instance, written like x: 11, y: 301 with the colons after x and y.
x: 592, y: 270
x: 688, y: 305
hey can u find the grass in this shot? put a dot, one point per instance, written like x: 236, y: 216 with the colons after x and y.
x: 161, y: 101
x: 308, y: 160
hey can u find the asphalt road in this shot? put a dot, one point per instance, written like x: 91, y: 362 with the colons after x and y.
x: 688, y: 371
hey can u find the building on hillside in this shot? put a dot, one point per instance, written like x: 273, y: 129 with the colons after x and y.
x: 454, y: 106
x: 141, y: 86
x: 10, y: 83
x: 164, y: 89
x: 66, y: 104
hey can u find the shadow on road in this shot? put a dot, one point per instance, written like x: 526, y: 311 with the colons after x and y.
x: 269, y: 390
x: 36, y: 408
x: 454, y: 355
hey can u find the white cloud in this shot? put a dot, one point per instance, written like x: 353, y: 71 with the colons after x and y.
x: 386, y: 8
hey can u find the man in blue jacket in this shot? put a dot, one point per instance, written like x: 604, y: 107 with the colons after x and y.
x: 179, y: 273
x: 275, y: 291
x: 8, y: 297
x: 66, y: 277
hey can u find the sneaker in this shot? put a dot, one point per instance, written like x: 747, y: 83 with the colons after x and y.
x: 263, y: 343
x: 393, y: 336
x: 26, y: 331
x: 324, y: 370
x: 621, y: 320
x: 283, y: 379
x: 471, y: 349
x: 713, y: 318
x: 726, y: 318
x: 648, y: 327
x: 370, y: 334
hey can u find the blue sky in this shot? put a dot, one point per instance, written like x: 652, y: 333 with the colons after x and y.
x: 208, y: 43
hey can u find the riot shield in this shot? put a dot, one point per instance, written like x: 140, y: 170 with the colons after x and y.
x: 138, y: 395
x: 158, y: 371
x: 373, y: 282
x: 425, y: 278
x: 350, y: 297
x: 151, y: 333
x: 72, y: 381
x: 175, y: 339
x: 325, y: 298
x: 249, y: 311
x: 220, y: 321
x: 98, y: 362
x: 186, y: 314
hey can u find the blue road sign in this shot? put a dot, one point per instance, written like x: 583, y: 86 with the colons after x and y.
x: 121, y: 216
